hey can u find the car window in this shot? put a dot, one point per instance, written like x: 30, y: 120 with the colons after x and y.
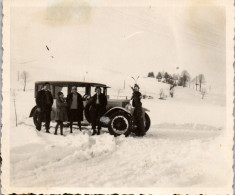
x: 64, y: 90
x: 41, y: 85
x: 81, y: 90
x: 93, y: 91
x: 57, y: 89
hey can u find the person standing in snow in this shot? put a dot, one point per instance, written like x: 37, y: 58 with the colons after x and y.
x: 172, y: 89
x: 61, y: 112
x: 44, y: 101
x: 75, y: 105
x: 98, y: 108
x: 138, y: 112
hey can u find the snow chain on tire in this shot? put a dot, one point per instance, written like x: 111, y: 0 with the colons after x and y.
x: 124, y: 122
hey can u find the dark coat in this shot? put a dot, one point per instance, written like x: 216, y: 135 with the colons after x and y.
x: 138, y: 113
x: 102, y: 103
x: 41, y: 100
x: 136, y: 96
x: 102, y: 100
x: 61, y: 110
x: 80, y: 107
x: 79, y: 100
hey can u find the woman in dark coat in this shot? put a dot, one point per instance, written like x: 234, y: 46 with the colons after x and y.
x: 75, y: 108
x: 138, y: 112
x: 98, y: 108
x: 61, y: 112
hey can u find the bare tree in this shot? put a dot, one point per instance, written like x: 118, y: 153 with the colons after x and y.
x: 196, y: 82
x: 25, y: 77
x: 201, y: 80
x: 185, y: 77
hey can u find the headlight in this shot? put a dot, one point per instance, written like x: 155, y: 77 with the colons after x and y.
x: 128, y: 107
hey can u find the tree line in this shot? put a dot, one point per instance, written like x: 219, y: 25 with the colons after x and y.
x: 183, y: 79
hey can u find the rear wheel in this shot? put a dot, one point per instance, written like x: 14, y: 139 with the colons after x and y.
x: 87, y: 111
x: 35, y: 117
x: 119, y: 124
x: 147, y: 124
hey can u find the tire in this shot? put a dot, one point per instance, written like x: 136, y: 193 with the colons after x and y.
x: 147, y: 122
x: 119, y: 124
x: 35, y: 117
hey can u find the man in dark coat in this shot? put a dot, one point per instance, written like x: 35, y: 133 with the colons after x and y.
x: 138, y: 112
x: 98, y: 108
x: 44, y: 101
x: 75, y: 108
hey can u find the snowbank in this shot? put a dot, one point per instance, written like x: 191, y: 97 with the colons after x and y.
x: 163, y: 158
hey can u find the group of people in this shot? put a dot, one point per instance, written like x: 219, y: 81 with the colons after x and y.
x: 69, y: 109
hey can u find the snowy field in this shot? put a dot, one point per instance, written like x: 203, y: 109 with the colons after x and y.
x: 185, y: 147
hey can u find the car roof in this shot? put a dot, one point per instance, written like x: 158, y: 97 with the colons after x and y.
x: 75, y: 83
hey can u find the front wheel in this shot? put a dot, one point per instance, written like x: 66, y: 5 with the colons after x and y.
x: 147, y: 122
x: 119, y: 124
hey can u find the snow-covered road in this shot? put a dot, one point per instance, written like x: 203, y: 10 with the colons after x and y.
x: 164, y: 157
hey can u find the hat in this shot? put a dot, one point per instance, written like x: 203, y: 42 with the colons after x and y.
x: 46, y: 83
x: 136, y: 85
x: 97, y: 88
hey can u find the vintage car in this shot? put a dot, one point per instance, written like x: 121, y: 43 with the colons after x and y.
x: 117, y: 118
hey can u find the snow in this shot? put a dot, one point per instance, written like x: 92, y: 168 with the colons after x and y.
x: 185, y: 147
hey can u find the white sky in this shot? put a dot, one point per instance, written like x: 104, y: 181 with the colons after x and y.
x: 115, y: 43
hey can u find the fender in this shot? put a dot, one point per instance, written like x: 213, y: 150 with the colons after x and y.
x: 32, y: 111
x: 112, y: 110
x: 35, y: 108
x: 145, y: 109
